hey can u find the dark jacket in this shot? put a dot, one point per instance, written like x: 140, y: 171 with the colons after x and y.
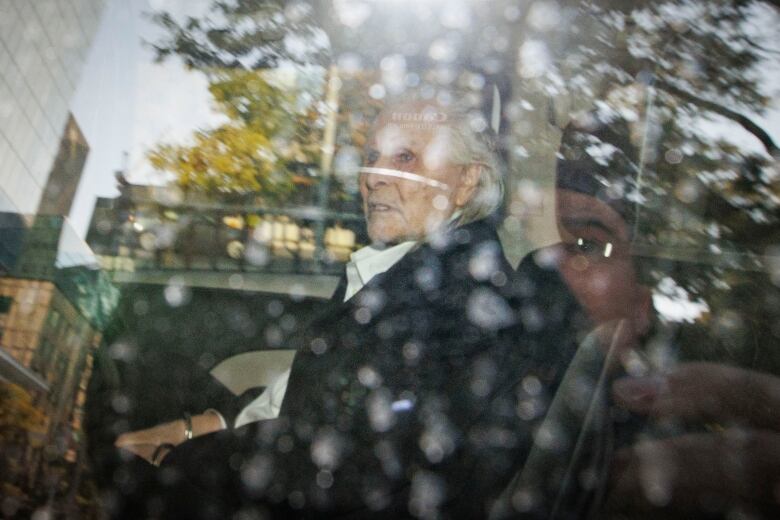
x: 420, y: 394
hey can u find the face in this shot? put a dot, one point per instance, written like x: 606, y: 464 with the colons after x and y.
x: 596, y: 262
x: 412, y: 187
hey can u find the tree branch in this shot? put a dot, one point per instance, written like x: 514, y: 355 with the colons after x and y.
x: 774, y: 3
x: 743, y: 120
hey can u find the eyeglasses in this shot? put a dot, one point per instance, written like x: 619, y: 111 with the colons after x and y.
x: 593, y: 249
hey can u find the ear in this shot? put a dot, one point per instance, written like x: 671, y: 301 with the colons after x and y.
x: 469, y: 179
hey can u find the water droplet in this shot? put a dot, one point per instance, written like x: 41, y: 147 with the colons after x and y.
x: 484, y: 261
x: 380, y: 411
x: 544, y: 16
x: 532, y: 385
x: 377, y: 91
x: 369, y: 377
x: 236, y: 281
x: 327, y: 449
x: 275, y: 308
x: 440, y: 202
x: 427, y: 493
x: 324, y: 479
x: 363, y: 315
x: 319, y: 346
x: 122, y: 351
x: 411, y: 351
x: 121, y: 403
x: 534, y: 59
x: 296, y: 499
x: 488, y: 310
x: 176, y: 293
x: 257, y: 473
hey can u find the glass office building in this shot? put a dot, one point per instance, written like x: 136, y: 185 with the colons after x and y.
x: 46, y: 335
x: 43, y: 47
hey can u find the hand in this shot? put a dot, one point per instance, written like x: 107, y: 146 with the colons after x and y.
x: 732, y: 466
x: 159, y: 440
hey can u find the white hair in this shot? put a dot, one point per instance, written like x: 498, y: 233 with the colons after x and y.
x: 474, y: 142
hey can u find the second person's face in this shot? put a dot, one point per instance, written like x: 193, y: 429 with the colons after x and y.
x: 596, y: 261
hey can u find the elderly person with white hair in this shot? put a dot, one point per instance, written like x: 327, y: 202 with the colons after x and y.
x: 406, y: 397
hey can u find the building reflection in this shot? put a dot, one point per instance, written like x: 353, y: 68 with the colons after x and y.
x: 151, y: 228
x: 54, y: 303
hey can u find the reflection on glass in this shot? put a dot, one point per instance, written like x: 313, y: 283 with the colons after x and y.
x: 56, y: 304
x: 247, y: 128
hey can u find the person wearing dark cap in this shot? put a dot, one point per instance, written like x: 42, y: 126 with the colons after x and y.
x: 694, y: 439
x: 596, y: 183
x: 596, y: 172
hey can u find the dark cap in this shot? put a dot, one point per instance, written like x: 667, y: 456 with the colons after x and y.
x: 597, y: 158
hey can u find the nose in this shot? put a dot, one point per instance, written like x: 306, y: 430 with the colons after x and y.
x: 374, y: 180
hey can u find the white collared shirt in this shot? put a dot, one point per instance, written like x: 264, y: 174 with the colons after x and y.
x: 367, y: 262
x: 364, y: 264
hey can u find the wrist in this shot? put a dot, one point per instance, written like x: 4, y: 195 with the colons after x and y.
x: 219, y: 421
x: 188, y: 427
x: 200, y: 424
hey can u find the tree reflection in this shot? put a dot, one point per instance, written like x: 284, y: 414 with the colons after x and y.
x: 271, y: 136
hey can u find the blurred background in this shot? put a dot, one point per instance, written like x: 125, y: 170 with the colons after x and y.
x: 186, y: 171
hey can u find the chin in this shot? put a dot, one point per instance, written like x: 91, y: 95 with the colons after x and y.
x: 385, y: 237
x: 384, y: 233
x: 385, y: 240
